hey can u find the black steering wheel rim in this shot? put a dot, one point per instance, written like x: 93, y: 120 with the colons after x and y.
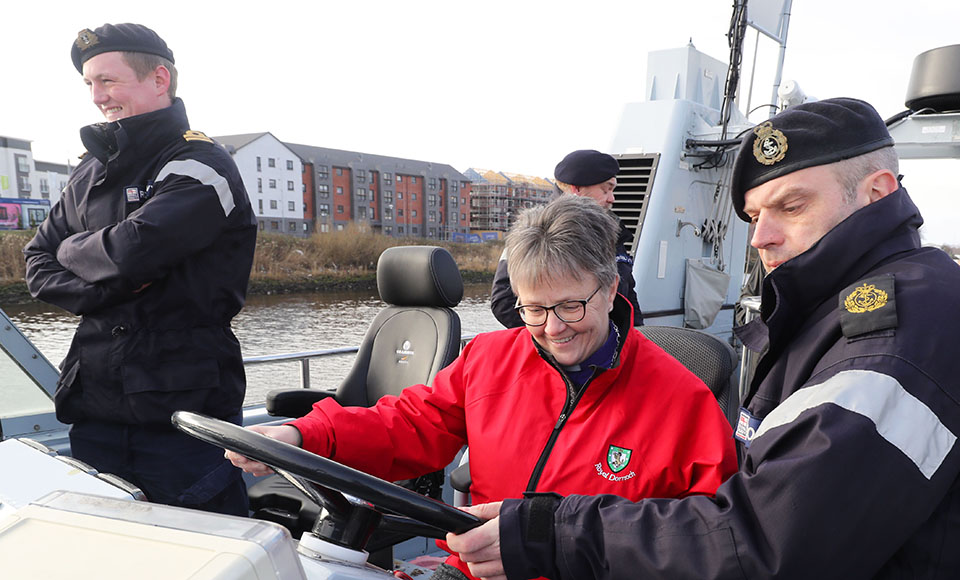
x: 325, y: 472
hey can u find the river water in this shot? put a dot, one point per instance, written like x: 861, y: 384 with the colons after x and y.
x: 275, y: 324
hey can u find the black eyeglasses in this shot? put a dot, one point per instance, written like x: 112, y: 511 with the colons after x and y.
x: 568, y: 311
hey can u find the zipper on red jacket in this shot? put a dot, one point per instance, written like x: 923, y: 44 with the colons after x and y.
x: 565, y: 413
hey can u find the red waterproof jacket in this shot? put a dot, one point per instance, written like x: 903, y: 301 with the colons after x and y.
x: 646, y: 427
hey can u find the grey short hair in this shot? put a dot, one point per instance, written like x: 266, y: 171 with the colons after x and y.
x: 850, y: 172
x: 570, y: 236
x: 144, y: 64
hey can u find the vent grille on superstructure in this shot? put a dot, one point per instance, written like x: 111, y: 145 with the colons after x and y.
x: 634, y: 183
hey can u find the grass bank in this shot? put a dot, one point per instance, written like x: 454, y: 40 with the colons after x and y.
x: 284, y: 264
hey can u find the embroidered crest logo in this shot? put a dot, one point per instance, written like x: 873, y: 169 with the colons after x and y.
x: 770, y: 146
x: 618, y: 458
x: 866, y: 298
x: 86, y: 38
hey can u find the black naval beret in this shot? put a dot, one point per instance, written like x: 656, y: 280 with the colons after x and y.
x: 117, y: 38
x: 807, y: 135
x: 586, y: 167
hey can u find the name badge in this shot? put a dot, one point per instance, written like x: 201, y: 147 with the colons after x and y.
x: 747, y: 426
x: 132, y: 193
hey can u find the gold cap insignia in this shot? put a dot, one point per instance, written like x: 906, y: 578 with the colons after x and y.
x: 866, y: 298
x: 86, y: 38
x: 196, y: 136
x: 770, y: 145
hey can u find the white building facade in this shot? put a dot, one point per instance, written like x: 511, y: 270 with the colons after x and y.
x: 273, y: 177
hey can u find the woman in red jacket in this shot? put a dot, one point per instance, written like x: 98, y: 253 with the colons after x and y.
x: 578, y: 401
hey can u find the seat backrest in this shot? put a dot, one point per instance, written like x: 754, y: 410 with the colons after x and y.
x: 417, y: 334
x: 705, y: 355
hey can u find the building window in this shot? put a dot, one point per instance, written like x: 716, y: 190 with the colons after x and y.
x: 339, y: 171
x: 388, y: 231
x: 260, y: 206
x: 433, y: 216
x: 44, y: 186
x: 324, y: 228
x: 362, y: 175
x: 399, y: 178
x: 261, y: 225
x: 290, y: 164
x: 387, y: 213
x: 258, y: 168
x: 291, y: 206
x: 453, y: 185
x: 413, y: 196
x: 323, y: 190
x: 362, y: 212
x: 433, y: 183
x: 292, y: 226
x: 323, y: 172
x: 259, y: 185
x: 453, y: 200
x: 413, y: 213
x: 289, y: 186
x: 414, y: 230
x: 304, y: 227
x: 399, y: 196
x: 324, y: 209
x: 463, y: 200
x: 339, y: 209
x: 271, y: 162
x: 431, y: 199
x: 463, y: 217
x: 273, y: 184
x: 399, y: 229
x: 273, y: 204
x: 339, y: 227
x: 388, y: 196
x: 362, y: 194
x: 339, y: 190
x: 400, y: 212
x: 413, y: 180
x: 373, y: 196
x: 387, y: 178
x: 24, y: 183
x: 274, y: 225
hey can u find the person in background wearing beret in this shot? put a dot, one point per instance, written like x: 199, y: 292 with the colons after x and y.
x: 849, y: 431
x: 151, y: 244
x: 586, y: 173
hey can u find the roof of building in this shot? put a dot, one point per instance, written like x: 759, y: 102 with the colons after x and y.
x: 238, y: 141
x: 55, y: 167
x: 341, y: 157
x: 488, y: 176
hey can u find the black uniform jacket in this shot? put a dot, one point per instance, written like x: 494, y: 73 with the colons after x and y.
x: 152, y: 243
x: 852, y: 466
x: 503, y: 300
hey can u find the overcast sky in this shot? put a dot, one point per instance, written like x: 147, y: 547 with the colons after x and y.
x: 506, y: 85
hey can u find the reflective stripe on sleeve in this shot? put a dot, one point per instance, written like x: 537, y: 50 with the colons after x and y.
x: 900, y: 418
x: 205, y: 175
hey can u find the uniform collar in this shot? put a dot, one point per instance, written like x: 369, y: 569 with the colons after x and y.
x: 846, y: 253
x: 142, y: 134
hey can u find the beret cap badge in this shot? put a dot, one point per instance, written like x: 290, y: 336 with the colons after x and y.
x: 86, y: 38
x: 770, y: 146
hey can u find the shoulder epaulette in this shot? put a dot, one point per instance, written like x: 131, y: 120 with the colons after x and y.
x: 196, y: 136
x: 868, y: 305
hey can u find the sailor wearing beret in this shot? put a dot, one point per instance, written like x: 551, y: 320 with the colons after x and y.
x: 851, y: 467
x: 151, y: 244
x: 587, y: 173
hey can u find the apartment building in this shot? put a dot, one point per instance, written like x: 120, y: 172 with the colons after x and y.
x: 498, y: 197
x: 22, y: 177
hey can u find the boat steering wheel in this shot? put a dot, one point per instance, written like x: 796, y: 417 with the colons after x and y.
x: 329, y: 480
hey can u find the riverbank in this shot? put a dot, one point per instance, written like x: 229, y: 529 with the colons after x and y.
x: 344, y: 260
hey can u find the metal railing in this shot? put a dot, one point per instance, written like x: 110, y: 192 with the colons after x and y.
x: 304, y: 358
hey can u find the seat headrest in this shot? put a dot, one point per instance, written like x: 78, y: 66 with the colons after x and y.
x: 419, y: 276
